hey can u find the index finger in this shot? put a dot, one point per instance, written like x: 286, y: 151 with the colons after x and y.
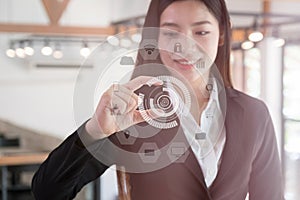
x: 138, y: 82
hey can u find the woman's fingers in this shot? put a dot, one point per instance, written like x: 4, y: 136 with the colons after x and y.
x: 150, y: 114
x: 126, y: 92
x: 127, y: 96
x: 138, y: 82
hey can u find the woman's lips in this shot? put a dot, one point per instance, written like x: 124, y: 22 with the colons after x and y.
x: 184, y: 64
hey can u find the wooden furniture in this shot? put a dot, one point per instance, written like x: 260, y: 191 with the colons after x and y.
x: 124, y: 187
x: 13, y: 157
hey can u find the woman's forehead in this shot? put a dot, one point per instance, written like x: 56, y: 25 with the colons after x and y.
x: 186, y: 10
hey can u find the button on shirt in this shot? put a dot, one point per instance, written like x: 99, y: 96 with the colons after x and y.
x: 207, y: 141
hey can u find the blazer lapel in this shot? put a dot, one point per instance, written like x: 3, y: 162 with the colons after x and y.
x: 234, y: 114
x: 190, y: 162
x: 233, y: 124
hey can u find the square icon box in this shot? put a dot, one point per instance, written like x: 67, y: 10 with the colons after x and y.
x: 149, y: 152
x: 116, y: 86
x: 200, y: 136
x: 177, y: 151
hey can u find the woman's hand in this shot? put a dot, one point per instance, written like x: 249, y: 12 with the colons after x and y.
x: 117, y: 108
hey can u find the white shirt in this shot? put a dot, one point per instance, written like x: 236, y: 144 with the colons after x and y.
x: 207, y: 150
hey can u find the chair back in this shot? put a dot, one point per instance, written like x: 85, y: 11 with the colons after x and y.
x: 7, y: 142
x: 124, y: 187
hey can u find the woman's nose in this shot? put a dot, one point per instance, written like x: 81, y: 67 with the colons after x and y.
x: 187, y: 48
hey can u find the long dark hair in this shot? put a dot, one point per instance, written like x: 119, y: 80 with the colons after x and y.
x: 217, y: 8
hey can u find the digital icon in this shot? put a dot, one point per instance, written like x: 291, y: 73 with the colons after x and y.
x: 200, y: 64
x: 116, y: 86
x: 209, y: 87
x: 115, y: 110
x: 178, y: 152
x: 149, y: 48
x: 178, y: 48
x: 209, y: 115
x: 149, y: 152
x: 125, y: 137
x: 126, y: 134
x: 127, y: 60
x: 168, y: 100
x: 200, y: 136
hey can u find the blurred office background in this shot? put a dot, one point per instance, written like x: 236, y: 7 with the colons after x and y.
x: 37, y: 83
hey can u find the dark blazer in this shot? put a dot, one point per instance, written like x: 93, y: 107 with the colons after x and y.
x: 250, y: 163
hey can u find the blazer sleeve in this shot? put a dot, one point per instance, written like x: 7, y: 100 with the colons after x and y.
x: 266, y: 176
x: 67, y: 169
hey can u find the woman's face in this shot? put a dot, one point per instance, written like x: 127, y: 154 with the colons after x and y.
x: 188, y: 32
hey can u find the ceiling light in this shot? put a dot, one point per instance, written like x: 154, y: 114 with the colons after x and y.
x: 11, y: 53
x: 256, y: 35
x: 47, y: 50
x: 28, y: 49
x: 137, y: 37
x: 247, y: 45
x: 125, y: 42
x: 20, y: 52
x: 279, y: 42
x: 113, y: 40
x: 85, y: 51
x: 58, y: 54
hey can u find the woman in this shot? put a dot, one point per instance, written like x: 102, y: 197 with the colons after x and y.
x: 244, y: 157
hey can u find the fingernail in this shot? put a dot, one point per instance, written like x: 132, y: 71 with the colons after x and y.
x: 155, y: 81
x: 158, y: 82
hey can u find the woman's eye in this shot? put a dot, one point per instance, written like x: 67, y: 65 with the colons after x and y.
x: 202, y: 32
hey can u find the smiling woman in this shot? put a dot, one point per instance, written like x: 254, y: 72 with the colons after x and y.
x: 221, y: 159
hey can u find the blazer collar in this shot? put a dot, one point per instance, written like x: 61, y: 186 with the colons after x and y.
x: 233, y: 125
x: 234, y: 115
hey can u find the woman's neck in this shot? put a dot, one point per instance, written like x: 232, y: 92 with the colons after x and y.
x: 200, y: 97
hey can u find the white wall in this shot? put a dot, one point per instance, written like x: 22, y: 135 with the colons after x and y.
x: 37, y: 99
x: 43, y: 99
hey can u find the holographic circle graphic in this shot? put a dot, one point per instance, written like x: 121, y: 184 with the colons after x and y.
x: 158, y: 141
x: 167, y: 100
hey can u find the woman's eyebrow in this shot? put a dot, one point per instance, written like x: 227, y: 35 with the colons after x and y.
x: 171, y: 24
x: 201, y: 23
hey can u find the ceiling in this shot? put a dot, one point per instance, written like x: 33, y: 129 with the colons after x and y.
x: 99, y: 14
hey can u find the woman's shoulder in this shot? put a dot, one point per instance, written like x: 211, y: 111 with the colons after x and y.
x: 248, y: 103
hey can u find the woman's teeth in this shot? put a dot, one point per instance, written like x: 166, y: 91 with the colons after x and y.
x: 187, y: 62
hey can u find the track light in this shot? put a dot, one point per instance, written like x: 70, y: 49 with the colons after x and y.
x: 114, y: 41
x: 20, y: 52
x: 256, y: 35
x: 125, y: 42
x: 11, y: 53
x: 58, y: 54
x: 47, y: 50
x: 29, y: 51
x: 247, y: 45
x: 85, y: 51
x: 137, y: 37
x: 277, y: 42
